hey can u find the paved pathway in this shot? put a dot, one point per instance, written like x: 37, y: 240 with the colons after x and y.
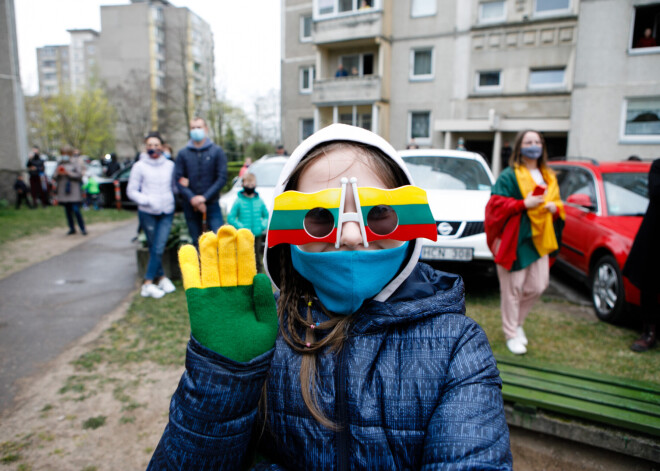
x: 53, y: 303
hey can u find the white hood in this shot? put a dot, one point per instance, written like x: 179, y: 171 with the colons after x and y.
x: 343, y: 132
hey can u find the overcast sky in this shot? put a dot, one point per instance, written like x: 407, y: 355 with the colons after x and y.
x: 246, y: 34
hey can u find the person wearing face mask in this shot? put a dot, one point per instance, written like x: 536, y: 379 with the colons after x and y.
x: 524, y: 219
x: 249, y: 211
x: 151, y: 186
x: 200, y: 173
x: 68, y: 180
x: 365, y: 361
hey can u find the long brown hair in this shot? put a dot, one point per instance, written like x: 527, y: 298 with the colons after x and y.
x: 297, y: 294
x: 516, y: 156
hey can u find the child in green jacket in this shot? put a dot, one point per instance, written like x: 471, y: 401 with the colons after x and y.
x: 250, y: 212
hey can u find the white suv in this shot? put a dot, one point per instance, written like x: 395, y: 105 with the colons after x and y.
x: 458, y: 185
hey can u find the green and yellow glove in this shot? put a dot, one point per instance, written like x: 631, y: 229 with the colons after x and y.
x: 232, y: 309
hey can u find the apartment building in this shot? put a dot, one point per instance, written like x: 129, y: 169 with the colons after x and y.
x: 157, y: 62
x: 439, y: 71
x: 53, y: 68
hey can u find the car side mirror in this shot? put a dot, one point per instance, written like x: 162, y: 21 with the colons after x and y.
x: 580, y: 199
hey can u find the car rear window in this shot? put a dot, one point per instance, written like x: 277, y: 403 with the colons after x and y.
x: 448, y: 173
x: 627, y: 194
x: 267, y: 173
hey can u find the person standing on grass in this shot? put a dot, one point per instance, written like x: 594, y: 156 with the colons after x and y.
x: 21, y: 190
x: 642, y: 267
x: 38, y: 184
x: 68, y: 179
x: 200, y: 173
x: 249, y: 211
x: 151, y: 185
x: 524, y: 219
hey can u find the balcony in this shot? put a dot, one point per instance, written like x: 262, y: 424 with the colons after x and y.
x: 348, y: 90
x: 356, y: 26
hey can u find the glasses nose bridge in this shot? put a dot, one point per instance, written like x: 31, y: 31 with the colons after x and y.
x: 350, y: 216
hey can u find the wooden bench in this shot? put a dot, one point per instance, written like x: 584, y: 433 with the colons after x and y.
x: 627, y: 405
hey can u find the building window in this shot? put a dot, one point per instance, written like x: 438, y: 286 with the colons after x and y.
x: 306, y: 128
x: 306, y: 28
x: 419, y: 8
x: 641, y: 120
x: 492, y: 12
x: 551, y: 7
x: 489, y: 81
x: 646, y: 28
x: 547, y: 78
x: 358, y: 64
x: 306, y: 79
x: 419, y: 127
x: 421, y: 64
x: 334, y: 7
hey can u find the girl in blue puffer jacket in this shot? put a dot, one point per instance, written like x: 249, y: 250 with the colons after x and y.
x: 366, y: 361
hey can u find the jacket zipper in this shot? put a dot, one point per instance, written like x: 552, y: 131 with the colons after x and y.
x: 341, y: 409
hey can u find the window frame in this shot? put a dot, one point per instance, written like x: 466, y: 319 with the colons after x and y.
x: 301, y: 125
x: 423, y: 15
x: 542, y: 87
x: 487, y: 88
x: 633, y: 27
x: 501, y: 19
x: 562, y: 11
x: 419, y: 140
x: 421, y: 77
x: 355, y: 9
x: 303, y: 38
x: 311, y: 71
x: 636, y: 138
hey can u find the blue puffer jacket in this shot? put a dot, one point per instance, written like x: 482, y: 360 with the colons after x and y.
x: 206, y: 169
x: 415, y: 387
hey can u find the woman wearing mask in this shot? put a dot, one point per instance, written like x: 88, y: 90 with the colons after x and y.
x: 524, y: 218
x: 68, y: 178
x: 151, y: 187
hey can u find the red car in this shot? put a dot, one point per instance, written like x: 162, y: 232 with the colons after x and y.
x: 605, y: 203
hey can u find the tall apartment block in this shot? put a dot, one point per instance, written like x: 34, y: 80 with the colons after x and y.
x: 54, y: 69
x: 436, y: 71
x: 157, y: 62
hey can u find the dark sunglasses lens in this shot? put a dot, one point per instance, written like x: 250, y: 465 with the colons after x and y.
x: 319, y: 222
x: 382, y: 219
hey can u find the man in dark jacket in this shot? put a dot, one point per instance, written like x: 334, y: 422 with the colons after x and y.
x: 200, y: 172
x: 38, y: 187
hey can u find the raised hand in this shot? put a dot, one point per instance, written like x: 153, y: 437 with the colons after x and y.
x: 231, y: 308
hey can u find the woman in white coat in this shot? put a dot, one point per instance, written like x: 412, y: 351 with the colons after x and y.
x: 151, y: 187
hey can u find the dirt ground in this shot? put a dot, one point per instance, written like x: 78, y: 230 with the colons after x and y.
x: 47, y: 430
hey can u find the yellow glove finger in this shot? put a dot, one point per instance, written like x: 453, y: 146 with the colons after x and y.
x: 189, y: 264
x: 208, y: 254
x: 227, y: 255
x: 247, y: 264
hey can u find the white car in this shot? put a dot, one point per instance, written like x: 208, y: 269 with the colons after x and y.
x: 458, y: 186
x: 267, y: 170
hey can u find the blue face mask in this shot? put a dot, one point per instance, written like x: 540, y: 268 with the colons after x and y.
x: 197, y: 134
x: 344, y: 280
x: 532, y: 152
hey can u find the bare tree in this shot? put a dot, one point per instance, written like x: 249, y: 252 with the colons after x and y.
x: 132, y: 102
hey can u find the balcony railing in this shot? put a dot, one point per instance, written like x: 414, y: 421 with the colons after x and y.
x: 360, y: 25
x: 348, y: 90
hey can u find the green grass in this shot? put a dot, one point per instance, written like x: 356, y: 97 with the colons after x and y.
x: 559, y: 337
x: 25, y: 222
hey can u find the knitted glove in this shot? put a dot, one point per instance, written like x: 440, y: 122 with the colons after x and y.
x: 232, y: 309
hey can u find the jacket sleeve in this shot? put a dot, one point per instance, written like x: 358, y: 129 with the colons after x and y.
x: 264, y: 216
x: 468, y: 429
x: 233, y: 217
x: 134, y: 184
x: 212, y: 412
x: 180, y: 171
x: 220, y: 175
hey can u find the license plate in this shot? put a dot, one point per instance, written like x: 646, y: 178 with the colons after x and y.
x: 461, y: 254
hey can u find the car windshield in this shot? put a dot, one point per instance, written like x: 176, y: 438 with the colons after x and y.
x: 448, y: 173
x: 627, y: 194
x: 267, y: 173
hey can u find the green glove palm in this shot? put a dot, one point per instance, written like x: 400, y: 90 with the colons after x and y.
x: 232, y: 309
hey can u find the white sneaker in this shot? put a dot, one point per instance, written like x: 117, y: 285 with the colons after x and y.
x: 150, y: 290
x: 166, y: 285
x: 516, y: 346
x: 521, y: 335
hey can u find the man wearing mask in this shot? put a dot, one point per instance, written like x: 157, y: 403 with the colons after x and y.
x: 200, y: 172
x: 38, y: 186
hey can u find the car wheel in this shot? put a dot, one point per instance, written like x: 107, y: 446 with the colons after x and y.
x: 607, y: 290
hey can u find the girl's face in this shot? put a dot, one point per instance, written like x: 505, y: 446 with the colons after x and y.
x: 154, y: 144
x: 326, y: 172
x: 531, y: 139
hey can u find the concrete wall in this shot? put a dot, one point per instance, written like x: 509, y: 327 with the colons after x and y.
x: 13, y: 151
x: 607, y: 73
